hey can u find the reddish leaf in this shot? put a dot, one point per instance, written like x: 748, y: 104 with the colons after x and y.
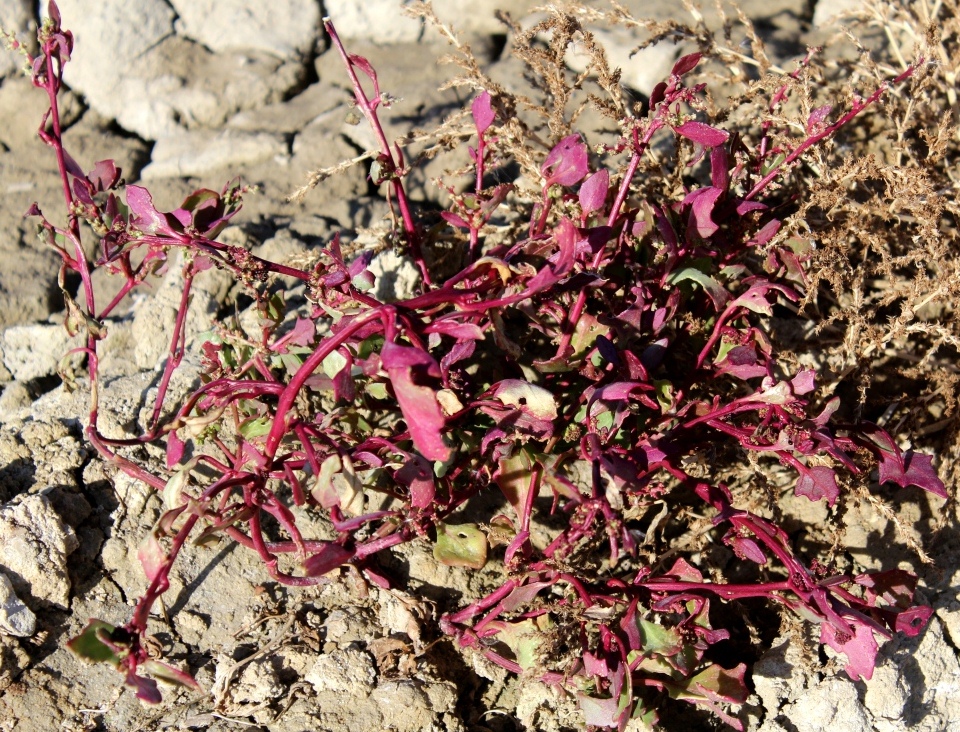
x: 745, y: 548
x: 818, y: 482
x: 327, y: 559
x: 454, y: 220
x: 702, y: 134
x: 151, y: 556
x: 148, y: 219
x: 593, y: 192
x: 367, y: 68
x: 686, y: 63
x: 417, y: 475
x: 175, y: 448
x: 860, y: 648
x: 147, y: 690
x: 913, y: 468
x: 483, y: 114
x: 817, y: 117
x: 419, y: 405
x: 567, y: 162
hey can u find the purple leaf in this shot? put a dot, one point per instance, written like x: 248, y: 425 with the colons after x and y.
x: 593, y: 192
x: 367, y: 68
x: 417, y: 475
x: 860, y: 648
x: 720, y: 167
x: 104, y: 175
x: 911, y: 622
x: 686, y: 63
x: 454, y: 220
x: 818, y: 482
x: 742, y: 362
x: 148, y: 219
x: 913, y: 468
x: 817, y: 117
x: 483, y: 114
x: 567, y: 162
x: 147, y: 690
x: 804, y: 382
x: 745, y: 548
x: 151, y: 555
x: 175, y: 448
x: 600, y: 712
x: 460, y: 331
x: 702, y: 202
x: 702, y: 134
x: 327, y: 559
x: 560, y: 263
x: 419, y: 405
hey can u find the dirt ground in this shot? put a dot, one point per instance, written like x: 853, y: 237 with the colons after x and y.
x: 344, y: 656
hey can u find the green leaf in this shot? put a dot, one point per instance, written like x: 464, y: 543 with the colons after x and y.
x: 170, y: 674
x: 376, y: 389
x: 88, y: 645
x: 717, y: 292
x: 657, y: 639
x: 460, y: 545
x: 255, y: 427
x: 333, y: 364
x: 524, y: 638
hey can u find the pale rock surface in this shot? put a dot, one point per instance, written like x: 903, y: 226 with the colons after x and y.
x: 284, y: 28
x: 345, y: 671
x: 827, y: 11
x: 830, y: 705
x: 164, y: 82
x: 34, y: 351
x: 34, y: 545
x: 198, y: 153
x: 13, y: 660
x: 380, y: 21
x: 16, y: 17
x: 397, y: 277
x: 641, y: 71
x: 15, y: 618
x: 778, y: 676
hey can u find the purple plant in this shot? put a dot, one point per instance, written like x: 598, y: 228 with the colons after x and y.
x: 615, y: 339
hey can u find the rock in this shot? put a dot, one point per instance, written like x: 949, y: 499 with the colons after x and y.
x: 397, y: 277
x: 16, y: 17
x: 346, y: 671
x: 15, y: 397
x: 293, y: 115
x: 284, y: 28
x: 22, y: 107
x: 13, y: 660
x: 778, y: 675
x: 886, y: 694
x: 482, y: 18
x: 15, y: 617
x: 932, y: 676
x: 167, y: 82
x: 379, y: 21
x: 830, y: 705
x: 257, y: 682
x: 827, y: 12
x: 34, y: 545
x: 198, y: 153
x: 405, y: 708
x: 640, y: 71
x: 35, y: 351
